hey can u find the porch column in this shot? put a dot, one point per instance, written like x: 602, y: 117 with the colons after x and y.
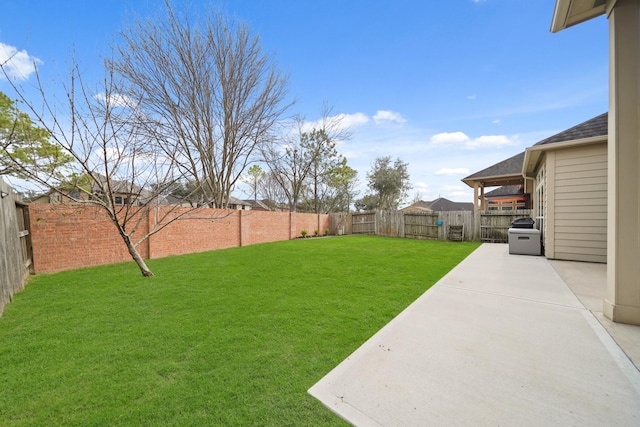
x: 623, y: 235
x: 483, y: 201
x: 475, y: 196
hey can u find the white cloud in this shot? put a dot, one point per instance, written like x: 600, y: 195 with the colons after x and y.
x: 471, y: 97
x: 386, y: 117
x: 116, y: 100
x: 466, y: 195
x: 449, y: 138
x: 454, y: 187
x: 420, y: 186
x: 19, y: 65
x: 496, y: 122
x: 453, y: 171
x: 352, y: 120
x: 339, y: 122
x: 489, y: 141
x: 460, y: 138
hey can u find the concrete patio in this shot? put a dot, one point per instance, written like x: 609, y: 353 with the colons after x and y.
x: 500, y: 340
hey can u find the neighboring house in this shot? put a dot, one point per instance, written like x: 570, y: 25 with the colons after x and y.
x: 564, y: 180
x: 569, y: 180
x: 418, y: 207
x: 171, y: 200
x: 505, y: 173
x: 125, y: 193
x: 238, y: 204
x: 234, y: 203
x: 257, y: 205
x: 438, y: 205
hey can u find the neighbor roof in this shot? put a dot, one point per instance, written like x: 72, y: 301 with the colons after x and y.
x: 443, y: 205
x: 440, y: 205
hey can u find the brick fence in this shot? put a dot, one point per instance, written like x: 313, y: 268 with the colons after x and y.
x: 67, y: 237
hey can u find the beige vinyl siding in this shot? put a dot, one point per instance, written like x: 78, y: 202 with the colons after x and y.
x: 580, y: 203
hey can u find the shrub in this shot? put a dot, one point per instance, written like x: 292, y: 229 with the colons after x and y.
x: 326, y: 231
x: 303, y: 233
x: 316, y: 233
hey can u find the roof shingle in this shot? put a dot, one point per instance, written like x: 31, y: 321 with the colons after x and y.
x: 597, y: 126
x: 510, y: 166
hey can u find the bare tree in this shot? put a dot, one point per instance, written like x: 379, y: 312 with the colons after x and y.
x: 216, y: 97
x: 271, y: 192
x: 300, y: 161
x: 113, y: 159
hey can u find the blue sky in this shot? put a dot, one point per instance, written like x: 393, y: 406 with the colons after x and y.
x: 450, y: 87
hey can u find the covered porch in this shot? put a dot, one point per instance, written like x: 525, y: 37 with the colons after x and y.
x: 506, y: 173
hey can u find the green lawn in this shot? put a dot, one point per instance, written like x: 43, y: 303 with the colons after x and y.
x: 231, y: 337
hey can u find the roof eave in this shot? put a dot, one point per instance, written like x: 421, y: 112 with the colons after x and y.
x: 533, y: 154
x: 495, y: 180
x: 565, y: 16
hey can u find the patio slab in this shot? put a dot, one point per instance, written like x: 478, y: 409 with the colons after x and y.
x: 500, y: 340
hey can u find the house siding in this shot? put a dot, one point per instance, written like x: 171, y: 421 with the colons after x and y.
x: 578, y: 194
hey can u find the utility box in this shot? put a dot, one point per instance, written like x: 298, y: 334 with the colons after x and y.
x: 524, y: 241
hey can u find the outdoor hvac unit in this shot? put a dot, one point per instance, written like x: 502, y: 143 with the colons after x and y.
x: 523, y: 238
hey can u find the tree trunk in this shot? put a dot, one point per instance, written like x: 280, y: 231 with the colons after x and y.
x: 133, y: 251
x: 138, y: 259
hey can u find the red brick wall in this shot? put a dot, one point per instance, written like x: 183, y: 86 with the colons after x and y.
x: 66, y: 237
x: 309, y: 222
x: 198, y: 230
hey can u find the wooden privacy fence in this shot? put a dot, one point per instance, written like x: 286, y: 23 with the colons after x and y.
x: 494, y: 225
x: 15, y: 245
x: 381, y: 223
x: 484, y: 226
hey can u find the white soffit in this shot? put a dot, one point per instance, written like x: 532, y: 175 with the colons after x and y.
x: 571, y: 12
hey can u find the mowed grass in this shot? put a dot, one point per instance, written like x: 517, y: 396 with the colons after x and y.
x: 231, y: 337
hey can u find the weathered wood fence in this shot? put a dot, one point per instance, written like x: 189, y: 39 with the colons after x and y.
x: 15, y: 244
x: 483, y: 226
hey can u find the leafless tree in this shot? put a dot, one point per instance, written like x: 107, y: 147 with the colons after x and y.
x: 216, y: 97
x: 271, y: 192
x: 300, y: 160
x: 113, y: 158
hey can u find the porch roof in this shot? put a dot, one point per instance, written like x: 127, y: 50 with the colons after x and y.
x: 506, y: 172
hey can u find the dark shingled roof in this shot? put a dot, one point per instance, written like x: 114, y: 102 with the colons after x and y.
x: 439, y: 205
x: 444, y: 205
x: 505, y: 190
x: 598, y: 126
x: 511, y: 166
